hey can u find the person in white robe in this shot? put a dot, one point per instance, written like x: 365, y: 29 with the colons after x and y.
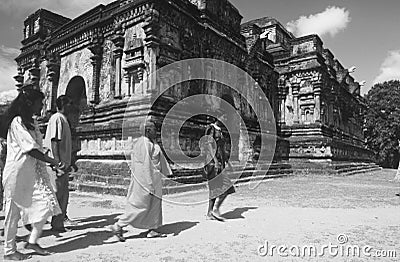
x: 144, y: 199
x: 27, y: 191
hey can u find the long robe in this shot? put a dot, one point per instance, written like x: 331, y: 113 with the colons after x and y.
x: 144, y: 200
x: 25, y: 179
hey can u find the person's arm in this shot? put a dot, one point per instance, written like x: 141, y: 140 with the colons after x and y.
x: 55, y: 149
x: 214, y: 154
x: 35, y: 153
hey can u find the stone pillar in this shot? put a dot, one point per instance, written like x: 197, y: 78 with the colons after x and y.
x: 282, y: 98
x: 152, y: 45
x: 97, y: 49
x: 317, y: 99
x: 296, y: 89
x: 19, y: 78
x: 34, y: 73
x: 119, y: 41
x: 245, y: 150
x: 53, y: 75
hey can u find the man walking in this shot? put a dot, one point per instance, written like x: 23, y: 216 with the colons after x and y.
x: 144, y: 207
x: 58, y: 142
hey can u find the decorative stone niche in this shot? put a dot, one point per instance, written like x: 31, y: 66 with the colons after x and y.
x: 134, y: 63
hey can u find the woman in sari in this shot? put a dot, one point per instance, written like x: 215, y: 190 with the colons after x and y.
x: 27, y: 191
x: 219, y: 184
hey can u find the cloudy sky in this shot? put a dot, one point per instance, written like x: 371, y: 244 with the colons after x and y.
x: 361, y: 33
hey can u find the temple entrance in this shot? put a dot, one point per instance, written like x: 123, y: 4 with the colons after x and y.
x: 76, y: 91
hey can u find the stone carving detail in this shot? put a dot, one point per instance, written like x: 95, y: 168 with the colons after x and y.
x: 97, y: 50
x: 304, y: 48
x: 118, y: 40
x: 134, y: 63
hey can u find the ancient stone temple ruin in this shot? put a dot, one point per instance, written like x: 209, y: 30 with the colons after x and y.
x: 319, y: 101
x: 102, y: 58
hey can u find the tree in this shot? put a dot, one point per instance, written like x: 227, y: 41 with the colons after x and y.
x: 382, y: 126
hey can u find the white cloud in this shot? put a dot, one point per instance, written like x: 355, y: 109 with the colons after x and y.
x: 331, y: 21
x: 8, y: 96
x: 390, y: 68
x: 9, y: 51
x: 71, y: 8
x: 8, y: 68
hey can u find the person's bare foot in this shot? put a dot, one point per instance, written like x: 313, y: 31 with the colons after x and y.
x: 210, y: 217
x: 118, y: 232
x: 217, y: 215
x: 70, y: 223
x: 154, y: 234
x: 17, y: 256
x: 38, y: 249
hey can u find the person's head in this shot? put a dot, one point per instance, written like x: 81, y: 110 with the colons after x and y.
x: 63, y: 104
x: 29, y: 102
x: 148, y: 129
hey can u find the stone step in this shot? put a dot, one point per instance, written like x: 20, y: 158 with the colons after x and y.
x: 354, y: 172
x: 179, y: 177
x: 342, y: 170
x: 103, y: 188
x: 188, y: 180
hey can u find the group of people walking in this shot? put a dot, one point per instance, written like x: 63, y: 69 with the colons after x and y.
x: 32, y: 194
x: 34, y: 191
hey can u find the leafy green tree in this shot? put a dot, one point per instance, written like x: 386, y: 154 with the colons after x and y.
x: 382, y: 126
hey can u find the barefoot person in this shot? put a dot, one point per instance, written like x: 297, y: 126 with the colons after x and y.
x: 144, y: 208
x: 26, y: 184
x: 58, y: 142
x: 220, y: 186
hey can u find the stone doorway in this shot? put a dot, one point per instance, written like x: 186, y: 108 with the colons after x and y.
x: 76, y: 91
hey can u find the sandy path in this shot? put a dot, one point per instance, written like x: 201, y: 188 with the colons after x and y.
x: 293, y: 212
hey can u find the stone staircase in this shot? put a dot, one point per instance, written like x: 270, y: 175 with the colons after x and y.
x: 113, y: 177
x: 332, y: 168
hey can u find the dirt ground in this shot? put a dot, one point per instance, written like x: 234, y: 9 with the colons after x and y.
x: 330, y: 217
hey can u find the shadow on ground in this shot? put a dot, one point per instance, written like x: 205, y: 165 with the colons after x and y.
x: 237, y: 213
x: 177, y: 227
x: 173, y: 229
x: 87, y: 239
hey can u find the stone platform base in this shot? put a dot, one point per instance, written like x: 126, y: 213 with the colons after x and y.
x: 325, y: 167
x: 113, y: 176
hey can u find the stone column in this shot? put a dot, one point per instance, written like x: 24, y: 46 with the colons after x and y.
x: 97, y: 49
x: 34, y: 73
x: 53, y: 75
x: 19, y: 78
x: 282, y: 97
x: 317, y: 99
x: 152, y: 45
x: 296, y: 89
x: 245, y: 150
x: 119, y: 41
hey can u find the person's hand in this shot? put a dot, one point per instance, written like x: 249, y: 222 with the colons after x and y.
x: 75, y: 167
x: 54, y: 164
x: 61, y: 169
x: 229, y: 166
